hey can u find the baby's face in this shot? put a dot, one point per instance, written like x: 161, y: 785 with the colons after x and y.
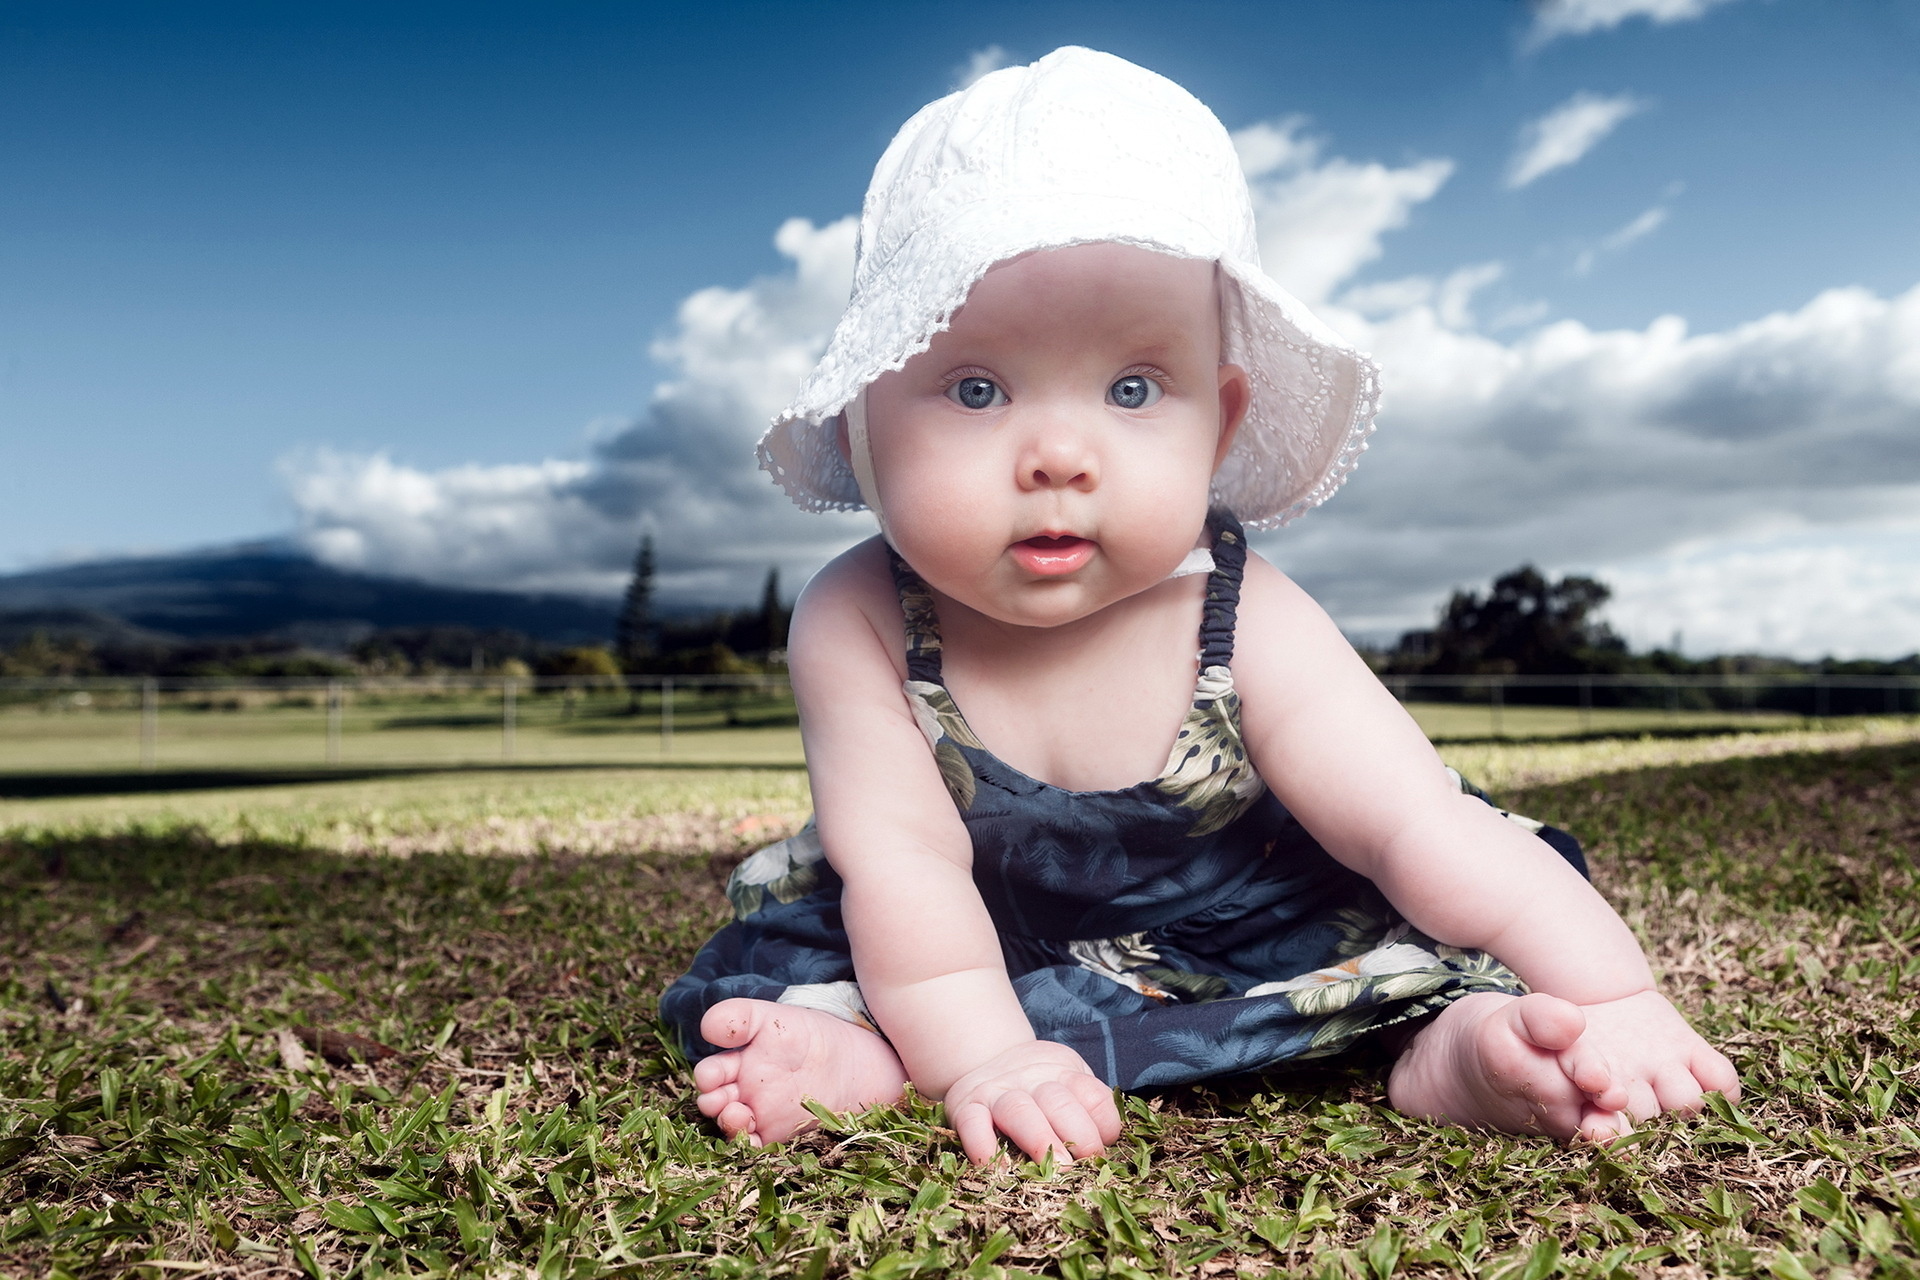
x: 1050, y: 453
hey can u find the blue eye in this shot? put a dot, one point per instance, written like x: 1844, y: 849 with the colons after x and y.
x: 977, y: 393
x: 1135, y: 391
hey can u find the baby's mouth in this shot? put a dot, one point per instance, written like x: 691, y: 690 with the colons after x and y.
x: 1050, y: 555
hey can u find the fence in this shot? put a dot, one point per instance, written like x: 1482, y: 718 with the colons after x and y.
x: 104, y: 723
x: 1785, y: 695
x: 182, y: 723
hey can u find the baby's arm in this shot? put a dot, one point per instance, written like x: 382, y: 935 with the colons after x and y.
x: 1349, y: 762
x: 924, y: 948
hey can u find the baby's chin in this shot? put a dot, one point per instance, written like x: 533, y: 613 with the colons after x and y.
x: 1049, y: 602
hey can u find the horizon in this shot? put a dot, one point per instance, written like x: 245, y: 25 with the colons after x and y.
x: 472, y: 294
x: 670, y: 608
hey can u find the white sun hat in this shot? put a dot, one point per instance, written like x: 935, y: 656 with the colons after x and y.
x: 1080, y: 147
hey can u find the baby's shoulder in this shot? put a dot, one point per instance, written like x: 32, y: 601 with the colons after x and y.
x: 850, y: 608
x: 859, y: 578
x: 1268, y: 595
x: 1281, y: 632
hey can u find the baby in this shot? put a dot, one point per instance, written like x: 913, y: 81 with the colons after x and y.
x: 1065, y: 387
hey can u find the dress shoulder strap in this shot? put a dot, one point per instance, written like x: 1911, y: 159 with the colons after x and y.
x: 1218, y: 614
x: 923, y: 624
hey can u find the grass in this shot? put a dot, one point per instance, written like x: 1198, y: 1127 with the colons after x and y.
x: 477, y: 811
x: 158, y: 1115
x: 202, y: 730
x: 214, y: 730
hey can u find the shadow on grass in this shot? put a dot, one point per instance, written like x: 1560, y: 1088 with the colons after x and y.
x: 46, y: 786
x: 166, y: 912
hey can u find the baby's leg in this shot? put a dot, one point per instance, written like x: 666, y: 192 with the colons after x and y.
x: 781, y: 1054
x: 1512, y: 1063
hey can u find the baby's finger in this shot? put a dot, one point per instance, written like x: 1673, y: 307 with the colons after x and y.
x: 1097, y: 1097
x: 1070, y: 1121
x: 1018, y: 1116
x: 974, y: 1123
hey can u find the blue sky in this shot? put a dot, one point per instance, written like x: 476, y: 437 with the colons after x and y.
x: 408, y: 281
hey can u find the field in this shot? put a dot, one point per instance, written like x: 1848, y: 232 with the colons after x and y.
x: 252, y: 730
x: 211, y: 730
x: 179, y: 964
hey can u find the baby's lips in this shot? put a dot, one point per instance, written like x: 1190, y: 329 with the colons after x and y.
x: 1052, y: 555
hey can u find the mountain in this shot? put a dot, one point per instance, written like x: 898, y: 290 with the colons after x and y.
x: 259, y: 589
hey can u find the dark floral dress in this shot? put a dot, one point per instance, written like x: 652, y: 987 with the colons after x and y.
x: 1180, y: 928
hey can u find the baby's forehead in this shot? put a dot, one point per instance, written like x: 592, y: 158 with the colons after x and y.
x: 1102, y: 284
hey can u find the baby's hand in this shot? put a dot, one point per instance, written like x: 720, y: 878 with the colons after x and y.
x: 1042, y: 1096
x: 1657, y: 1062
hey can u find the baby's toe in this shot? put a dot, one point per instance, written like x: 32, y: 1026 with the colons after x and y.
x: 1592, y: 1073
x: 715, y: 1070
x: 1548, y: 1022
x: 713, y: 1101
x: 735, y: 1119
x: 1642, y: 1103
x: 1714, y: 1072
x: 1678, y: 1091
x: 730, y: 1024
x: 1601, y: 1126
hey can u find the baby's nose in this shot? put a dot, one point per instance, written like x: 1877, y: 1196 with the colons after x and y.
x: 1059, y: 457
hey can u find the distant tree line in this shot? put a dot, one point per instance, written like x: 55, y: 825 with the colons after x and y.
x: 1527, y: 624
x: 61, y: 643
x: 54, y: 651
x: 725, y: 643
x: 1524, y: 624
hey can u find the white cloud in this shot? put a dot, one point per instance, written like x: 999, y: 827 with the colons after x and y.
x: 1322, y: 221
x: 1847, y: 593
x: 1555, y: 18
x: 1566, y: 133
x: 684, y: 467
x: 472, y: 524
x: 1639, y: 228
x: 1590, y: 449
x: 1519, y: 316
x: 1449, y: 299
x: 979, y: 63
x: 1453, y: 300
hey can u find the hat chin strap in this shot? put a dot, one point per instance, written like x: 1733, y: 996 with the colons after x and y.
x: 860, y: 454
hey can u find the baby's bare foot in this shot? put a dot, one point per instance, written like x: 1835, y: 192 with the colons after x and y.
x: 1492, y: 1061
x: 781, y: 1055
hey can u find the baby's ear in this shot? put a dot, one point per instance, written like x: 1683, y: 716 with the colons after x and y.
x: 1236, y: 395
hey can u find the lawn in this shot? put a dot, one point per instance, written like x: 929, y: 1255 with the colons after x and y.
x: 214, y: 729
x: 177, y: 969
x: 210, y: 729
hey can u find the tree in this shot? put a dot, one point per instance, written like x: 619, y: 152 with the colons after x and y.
x: 586, y: 660
x: 773, y: 615
x: 38, y: 655
x: 633, y: 636
x: 1525, y: 625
